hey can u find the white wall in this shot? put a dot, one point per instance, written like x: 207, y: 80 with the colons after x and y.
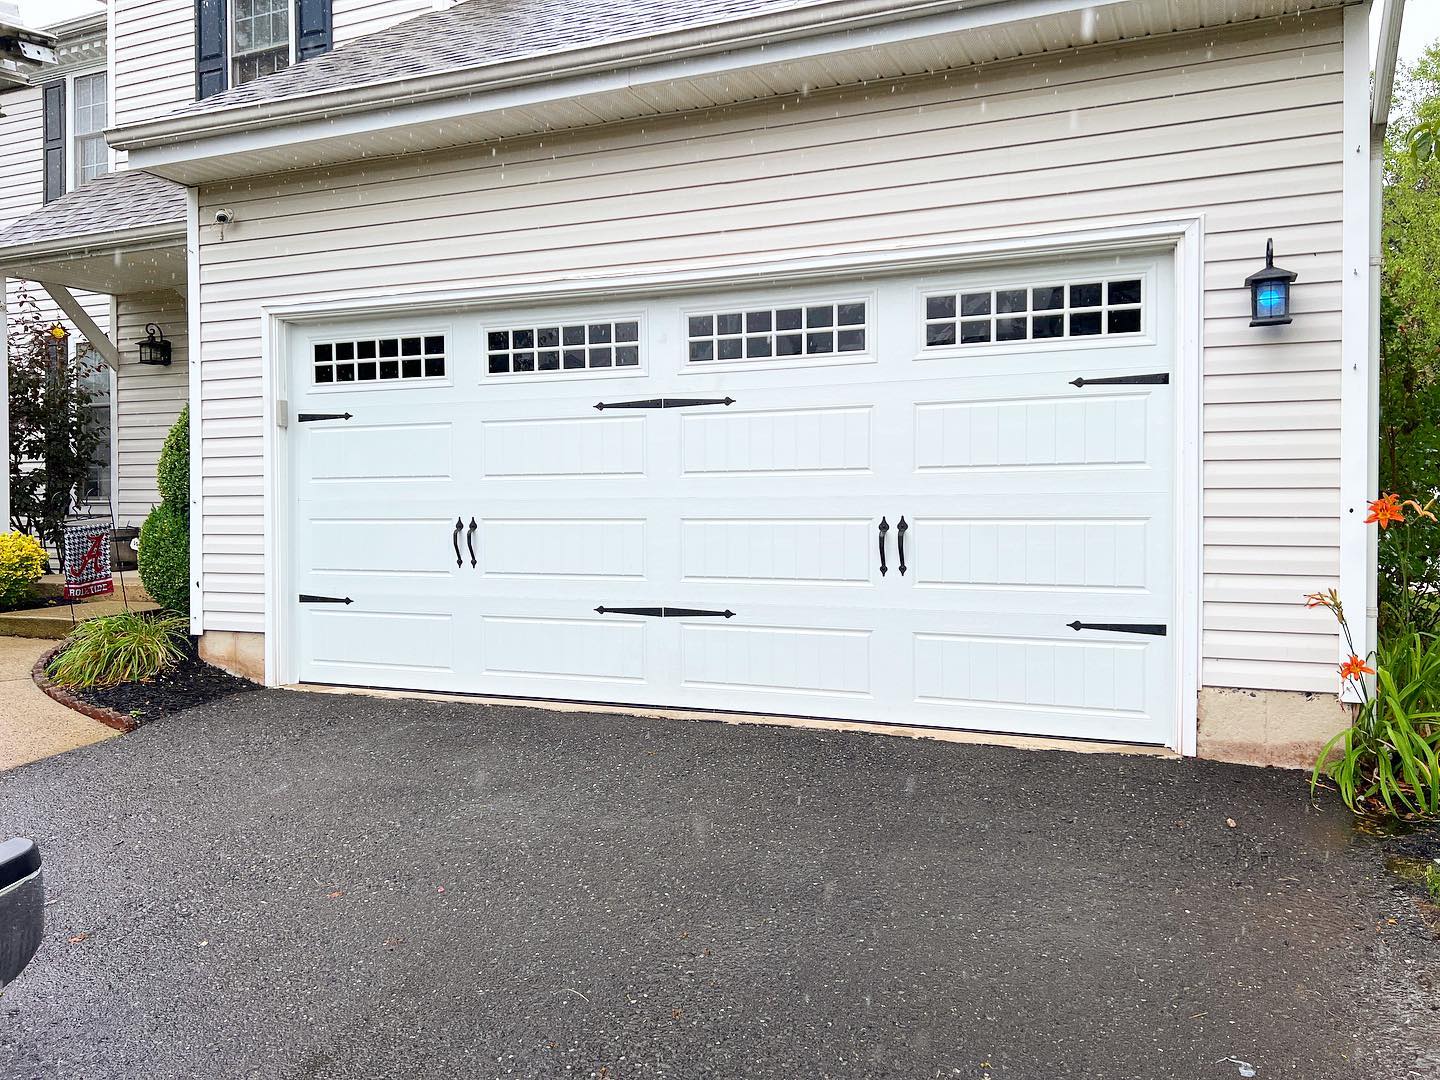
x: 148, y: 398
x: 1241, y: 125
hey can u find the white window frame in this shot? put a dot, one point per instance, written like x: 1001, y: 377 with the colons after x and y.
x: 230, y: 54
x: 72, y: 159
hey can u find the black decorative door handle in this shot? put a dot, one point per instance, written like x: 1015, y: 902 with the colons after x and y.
x: 884, y: 528
x: 900, y: 531
x: 455, y: 539
x: 470, y: 542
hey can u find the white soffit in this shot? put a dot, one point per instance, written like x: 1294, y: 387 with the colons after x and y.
x: 410, y: 116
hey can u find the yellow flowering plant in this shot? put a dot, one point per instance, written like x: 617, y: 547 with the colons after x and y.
x: 22, y: 562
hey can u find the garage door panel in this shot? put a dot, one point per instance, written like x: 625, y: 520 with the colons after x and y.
x: 780, y: 550
x: 596, y: 548
x: 388, y: 547
x: 811, y: 661
x: 351, y: 453
x: 791, y: 442
x: 569, y: 650
x: 376, y: 647
x: 1032, y: 553
x: 563, y: 448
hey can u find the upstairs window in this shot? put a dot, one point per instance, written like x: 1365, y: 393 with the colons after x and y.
x: 260, y: 38
x: 92, y: 155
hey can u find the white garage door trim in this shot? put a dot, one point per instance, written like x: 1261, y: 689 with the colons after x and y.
x: 1185, y: 236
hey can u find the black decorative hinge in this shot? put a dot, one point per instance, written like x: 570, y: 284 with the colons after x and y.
x: 665, y: 612
x: 1153, y: 629
x: 309, y: 417
x: 663, y: 403
x: 307, y: 598
x: 1161, y: 378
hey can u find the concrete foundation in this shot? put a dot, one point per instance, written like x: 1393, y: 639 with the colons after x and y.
x: 238, y: 653
x: 1282, y: 728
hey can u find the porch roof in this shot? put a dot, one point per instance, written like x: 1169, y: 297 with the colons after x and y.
x: 122, y: 232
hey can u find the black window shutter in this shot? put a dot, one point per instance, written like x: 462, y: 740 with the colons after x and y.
x: 53, y: 104
x: 312, y: 28
x: 209, y: 47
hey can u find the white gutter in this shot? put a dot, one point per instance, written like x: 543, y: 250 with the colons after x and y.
x: 750, y: 33
x: 1385, y: 59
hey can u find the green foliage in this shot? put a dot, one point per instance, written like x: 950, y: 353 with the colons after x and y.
x: 1388, y: 760
x: 1410, y: 347
x: 164, y: 559
x: 1432, y: 883
x: 53, y: 434
x: 172, y: 473
x: 22, y: 561
x: 128, y: 647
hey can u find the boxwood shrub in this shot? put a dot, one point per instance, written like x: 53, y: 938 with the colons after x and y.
x: 164, y: 559
x: 172, y: 472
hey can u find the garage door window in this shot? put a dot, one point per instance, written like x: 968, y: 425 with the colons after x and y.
x: 1034, y: 313
x: 386, y: 359
x: 587, y: 346
x: 766, y: 333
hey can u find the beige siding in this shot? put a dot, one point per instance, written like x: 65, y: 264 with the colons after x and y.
x: 1242, y: 125
x: 149, y: 398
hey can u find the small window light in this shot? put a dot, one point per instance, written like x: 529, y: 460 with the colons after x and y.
x: 1270, y: 292
x: 154, y: 349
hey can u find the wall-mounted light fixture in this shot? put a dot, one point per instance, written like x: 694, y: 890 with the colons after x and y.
x: 154, y: 349
x: 1270, y: 292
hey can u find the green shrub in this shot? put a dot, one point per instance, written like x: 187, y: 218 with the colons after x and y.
x: 22, y: 562
x: 128, y: 647
x: 1388, y: 760
x: 172, y: 472
x: 164, y: 559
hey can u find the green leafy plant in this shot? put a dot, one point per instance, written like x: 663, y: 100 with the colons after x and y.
x: 128, y: 647
x: 172, y: 471
x: 53, y: 431
x: 22, y: 562
x: 164, y: 557
x: 1388, y: 760
x: 1432, y: 883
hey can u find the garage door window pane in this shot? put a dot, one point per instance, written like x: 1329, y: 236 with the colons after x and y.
x: 1040, y: 312
x: 765, y: 333
x: 563, y: 347
x: 355, y: 361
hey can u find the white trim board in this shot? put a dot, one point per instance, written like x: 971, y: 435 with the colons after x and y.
x: 1184, y: 236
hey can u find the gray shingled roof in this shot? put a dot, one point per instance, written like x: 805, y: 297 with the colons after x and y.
x: 111, y: 203
x: 481, y: 33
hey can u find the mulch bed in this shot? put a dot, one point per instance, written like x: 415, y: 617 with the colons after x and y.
x: 130, y: 705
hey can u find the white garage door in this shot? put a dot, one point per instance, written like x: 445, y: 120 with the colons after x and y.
x: 941, y: 500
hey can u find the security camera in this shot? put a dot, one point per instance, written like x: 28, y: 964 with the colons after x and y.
x: 224, y: 217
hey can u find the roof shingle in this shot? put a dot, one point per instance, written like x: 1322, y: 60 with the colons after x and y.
x: 481, y: 33
x: 107, y: 204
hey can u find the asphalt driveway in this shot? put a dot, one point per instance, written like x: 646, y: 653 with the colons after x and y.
x: 307, y: 885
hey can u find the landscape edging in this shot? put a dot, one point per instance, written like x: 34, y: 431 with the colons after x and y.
x: 109, y: 717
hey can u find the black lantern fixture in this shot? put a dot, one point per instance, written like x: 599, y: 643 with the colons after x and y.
x: 154, y: 349
x: 1270, y: 292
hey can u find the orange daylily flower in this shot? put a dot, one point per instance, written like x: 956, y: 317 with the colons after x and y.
x: 1384, y: 510
x: 1422, y: 511
x: 1330, y: 599
x: 1354, y: 668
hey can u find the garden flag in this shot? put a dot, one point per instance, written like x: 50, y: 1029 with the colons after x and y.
x: 87, y: 559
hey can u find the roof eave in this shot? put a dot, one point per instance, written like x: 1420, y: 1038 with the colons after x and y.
x: 28, y: 260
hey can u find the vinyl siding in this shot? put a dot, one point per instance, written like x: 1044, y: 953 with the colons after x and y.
x: 1242, y: 125
x: 155, y: 48
x: 356, y: 18
x: 154, y: 51
x: 149, y: 398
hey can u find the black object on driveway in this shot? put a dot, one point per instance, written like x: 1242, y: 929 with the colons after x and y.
x: 22, y: 906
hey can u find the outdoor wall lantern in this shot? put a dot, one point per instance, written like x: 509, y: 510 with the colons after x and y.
x: 156, y: 350
x: 1270, y: 292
